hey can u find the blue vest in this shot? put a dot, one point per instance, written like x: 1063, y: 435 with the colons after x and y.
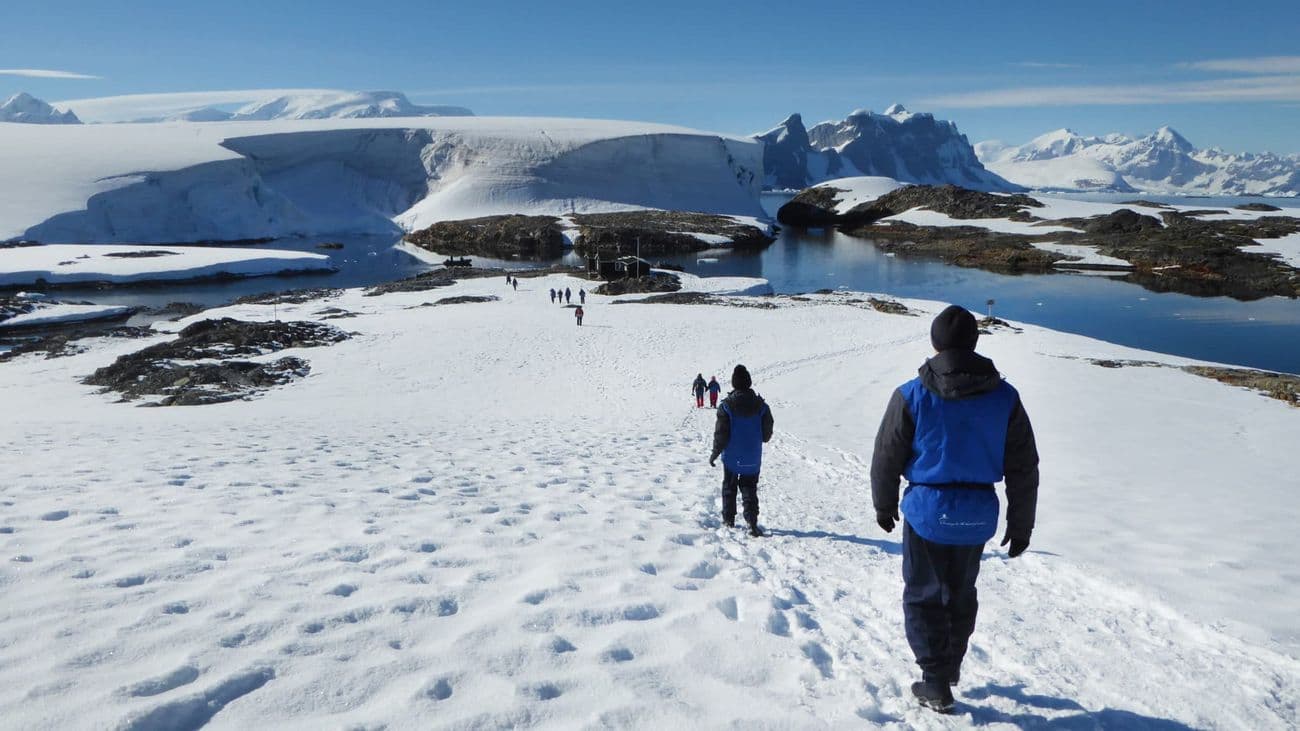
x: 743, y: 454
x: 956, y: 440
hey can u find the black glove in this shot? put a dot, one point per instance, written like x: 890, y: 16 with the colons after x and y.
x: 887, y: 519
x: 713, y: 460
x: 1018, y: 545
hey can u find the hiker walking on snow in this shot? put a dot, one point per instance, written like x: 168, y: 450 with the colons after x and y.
x: 697, y: 387
x: 515, y: 283
x: 714, y: 389
x: 578, y: 314
x: 552, y: 296
x: 952, y: 432
x: 582, y: 296
x: 568, y: 295
x: 744, y: 425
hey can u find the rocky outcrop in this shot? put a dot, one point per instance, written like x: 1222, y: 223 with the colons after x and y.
x: 662, y: 233
x: 811, y: 208
x: 199, y: 367
x: 496, y: 237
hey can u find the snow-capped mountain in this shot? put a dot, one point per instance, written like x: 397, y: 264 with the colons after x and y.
x: 913, y: 148
x: 343, y: 105
x: 1161, y: 162
x: 27, y: 109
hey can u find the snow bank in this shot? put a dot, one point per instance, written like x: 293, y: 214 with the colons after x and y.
x: 1287, y: 248
x: 58, y: 313
x: 1086, y: 255
x: 171, y: 182
x: 924, y: 217
x: 860, y: 189
x: 747, y: 286
x: 483, y: 516
x: 69, y: 263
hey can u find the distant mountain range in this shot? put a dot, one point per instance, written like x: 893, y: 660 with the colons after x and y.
x: 913, y: 148
x: 27, y: 109
x: 323, y: 105
x: 1161, y: 162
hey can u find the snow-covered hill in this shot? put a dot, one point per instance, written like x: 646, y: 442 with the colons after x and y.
x: 438, y: 529
x: 343, y: 105
x: 24, y: 108
x: 913, y: 148
x: 1162, y: 162
x: 176, y: 182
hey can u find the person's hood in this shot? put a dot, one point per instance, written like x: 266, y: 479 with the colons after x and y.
x: 744, y: 402
x: 955, y: 374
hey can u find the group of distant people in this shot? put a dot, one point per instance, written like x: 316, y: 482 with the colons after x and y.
x: 565, y: 296
x: 700, y: 386
x: 953, y: 431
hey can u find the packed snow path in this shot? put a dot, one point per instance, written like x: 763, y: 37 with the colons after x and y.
x: 482, y: 516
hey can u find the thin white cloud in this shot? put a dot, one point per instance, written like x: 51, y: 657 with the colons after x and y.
x: 1251, y: 89
x: 46, y: 74
x: 1257, y: 65
x: 141, y: 106
x: 1047, y: 65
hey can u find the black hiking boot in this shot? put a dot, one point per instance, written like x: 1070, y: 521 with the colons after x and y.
x: 729, y: 522
x: 935, y: 696
x: 755, y: 531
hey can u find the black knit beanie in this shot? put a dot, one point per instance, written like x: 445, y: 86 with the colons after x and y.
x: 954, y: 329
x: 740, y: 379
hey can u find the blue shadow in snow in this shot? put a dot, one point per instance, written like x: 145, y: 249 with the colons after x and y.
x: 1081, y: 720
x: 886, y: 546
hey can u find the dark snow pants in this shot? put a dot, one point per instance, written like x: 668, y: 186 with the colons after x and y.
x: 939, y: 603
x: 748, y: 487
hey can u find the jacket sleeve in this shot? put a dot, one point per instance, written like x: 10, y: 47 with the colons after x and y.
x: 1021, y: 469
x: 892, y: 451
x: 721, y: 432
x: 767, y: 423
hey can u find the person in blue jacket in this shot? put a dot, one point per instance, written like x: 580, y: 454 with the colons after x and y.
x: 953, y: 431
x: 744, y: 424
x: 714, y: 389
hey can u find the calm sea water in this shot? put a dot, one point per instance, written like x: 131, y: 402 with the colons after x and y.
x: 1261, y: 334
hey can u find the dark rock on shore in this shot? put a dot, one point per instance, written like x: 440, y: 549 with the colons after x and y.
x: 330, y: 245
x: 699, y: 298
x: 289, y: 296
x: 653, y: 282
x: 168, y: 370
x: 66, y: 343
x: 660, y: 233
x: 461, y: 300
x: 965, y: 246
x: 815, y: 207
x: 1257, y: 207
x: 811, y: 208
x: 433, y: 279
x: 497, y: 237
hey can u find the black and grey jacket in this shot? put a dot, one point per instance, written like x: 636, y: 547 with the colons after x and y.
x: 957, y: 374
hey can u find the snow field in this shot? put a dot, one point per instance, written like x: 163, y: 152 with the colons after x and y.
x: 482, y: 516
x: 70, y: 263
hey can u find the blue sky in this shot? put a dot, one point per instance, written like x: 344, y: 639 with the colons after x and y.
x: 1226, y: 76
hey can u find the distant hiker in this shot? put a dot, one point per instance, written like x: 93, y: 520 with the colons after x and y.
x: 714, y: 390
x: 582, y: 296
x: 567, y: 295
x: 744, y: 425
x: 552, y: 295
x: 697, y: 387
x: 507, y: 279
x: 578, y: 314
x: 515, y: 283
x: 952, y: 431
